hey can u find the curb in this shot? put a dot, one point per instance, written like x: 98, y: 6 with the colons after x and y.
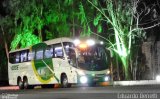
x: 139, y: 82
x: 9, y: 88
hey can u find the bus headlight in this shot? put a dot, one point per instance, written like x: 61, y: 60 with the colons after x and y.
x: 158, y: 78
x: 90, y: 42
x: 108, y: 72
x: 106, y: 78
x: 83, y: 79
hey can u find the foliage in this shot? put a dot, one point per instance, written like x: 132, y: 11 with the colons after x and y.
x: 26, y: 39
x: 120, y: 18
x: 28, y: 22
x: 45, y: 19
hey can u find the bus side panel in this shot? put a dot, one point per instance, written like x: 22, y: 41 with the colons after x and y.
x: 12, y: 75
x: 62, y: 66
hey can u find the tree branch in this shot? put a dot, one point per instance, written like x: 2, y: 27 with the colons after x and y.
x: 151, y: 26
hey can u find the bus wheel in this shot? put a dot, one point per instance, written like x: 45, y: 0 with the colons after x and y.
x: 20, y: 83
x: 64, y: 81
x: 25, y: 83
x: 69, y: 85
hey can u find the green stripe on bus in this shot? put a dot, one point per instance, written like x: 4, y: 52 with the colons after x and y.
x: 42, y: 72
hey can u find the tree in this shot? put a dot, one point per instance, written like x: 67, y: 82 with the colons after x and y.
x: 123, y: 18
x: 31, y: 18
x: 19, y: 23
x: 5, y: 24
x: 41, y: 20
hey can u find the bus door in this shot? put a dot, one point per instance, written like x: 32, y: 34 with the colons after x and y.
x: 60, y: 61
x: 71, y: 62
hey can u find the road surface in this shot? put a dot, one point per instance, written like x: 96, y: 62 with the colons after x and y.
x: 77, y: 92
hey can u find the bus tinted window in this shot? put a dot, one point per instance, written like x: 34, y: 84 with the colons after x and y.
x: 58, y: 51
x: 48, y: 52
x: 23, y: 56
x: 17, y: 57
x: 67, y: 46
x: 39, y: 54
x: 66, y: 49
x: 31, y: 55
x: 12, y: 57
x: 93, y: 58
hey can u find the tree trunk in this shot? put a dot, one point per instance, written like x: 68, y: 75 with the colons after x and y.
x: 40, y: 35
x: 118, y: 76
x: 73, y: 21
x: 5, y: 43
x: 126, y: 67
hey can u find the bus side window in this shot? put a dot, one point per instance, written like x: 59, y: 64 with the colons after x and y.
x: 48, y: 53
x: 23, y: 56
x: 17, y: 57
x: 72, y: 57
x: 39, y: 54
x: 58, y: 51
x: 31, y: 55
x: 12, y: 57
x: 67, y: 46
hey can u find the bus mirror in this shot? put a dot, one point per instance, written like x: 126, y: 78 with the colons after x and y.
x: 63, y: 58
x: 70, y: 62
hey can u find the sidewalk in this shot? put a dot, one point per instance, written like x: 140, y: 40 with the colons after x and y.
x: 138, y: 82
x: 9, y: 88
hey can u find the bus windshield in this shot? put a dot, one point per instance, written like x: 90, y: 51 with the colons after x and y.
x: 93, y: 58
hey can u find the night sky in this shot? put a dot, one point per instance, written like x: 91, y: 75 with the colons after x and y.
x: 150, y: 32
x: 2, y: 12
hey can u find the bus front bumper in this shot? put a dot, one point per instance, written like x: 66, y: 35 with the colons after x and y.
x: 86, y: 79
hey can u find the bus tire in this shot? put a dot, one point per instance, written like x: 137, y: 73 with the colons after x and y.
x: 69, y: 85
x: 64, y: 81
x: 25, y: 83
x: 20, y: 83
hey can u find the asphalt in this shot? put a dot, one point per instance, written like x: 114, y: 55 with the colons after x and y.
x: 85, y: 92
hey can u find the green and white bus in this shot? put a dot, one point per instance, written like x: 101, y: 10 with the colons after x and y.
x: 59, y: 61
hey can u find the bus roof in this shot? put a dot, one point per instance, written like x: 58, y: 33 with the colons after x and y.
x: 49, y: 42
x: 21, y: 49
x: 58, y: 40
x: 54, y: 41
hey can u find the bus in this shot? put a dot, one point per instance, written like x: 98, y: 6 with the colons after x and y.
x: 63, y: 61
